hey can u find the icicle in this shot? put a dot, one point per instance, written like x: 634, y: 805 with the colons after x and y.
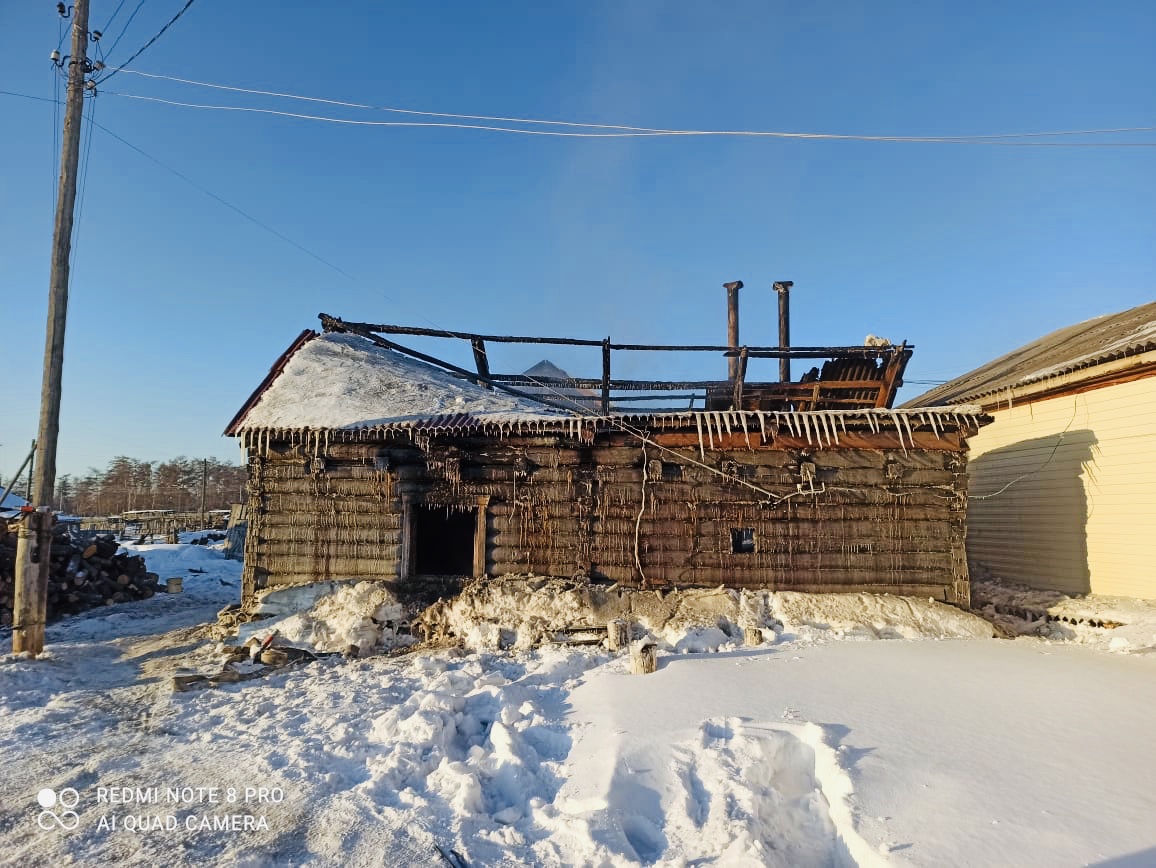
x: 843, y: 421
x: 910, y: 434
x: 701, y: 448
x: 934, y: 424
x: 807, y: 426
x: 709, y: 434
x: 826, y: 426
x: 762, y: 425
x: 899, y: 431
x: 746, y: 434
x: 726, y: 422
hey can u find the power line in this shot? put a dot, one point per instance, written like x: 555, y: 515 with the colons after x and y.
x: 115, y: 13
x: 145, y: 47
x: 639, y: 134
x: 577, y: 407
x: 201, y: 189
x: 83, y: 185
x: 124, y: 29
x: 224, y: 202
x: 632, y: 129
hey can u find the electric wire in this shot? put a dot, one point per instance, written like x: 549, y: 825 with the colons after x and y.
x: 626, y: 135
x: 579, y: 408
x: 633, y: 129
x: 124, y: 29
x: 145, y: 47
x: 83, y: 184
x: 115, y: 12
x: 1040, y: 469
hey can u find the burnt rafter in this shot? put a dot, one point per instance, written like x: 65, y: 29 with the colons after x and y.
x: 856, y: 377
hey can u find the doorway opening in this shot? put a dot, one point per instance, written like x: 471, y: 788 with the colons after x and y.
x: 443, y: 540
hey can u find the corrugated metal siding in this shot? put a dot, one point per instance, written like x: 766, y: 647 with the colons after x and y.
x: 1080, y: 511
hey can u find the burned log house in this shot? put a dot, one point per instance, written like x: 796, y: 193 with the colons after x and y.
x: 371, y: 460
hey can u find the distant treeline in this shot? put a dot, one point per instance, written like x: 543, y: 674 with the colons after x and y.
x: 130, y: 484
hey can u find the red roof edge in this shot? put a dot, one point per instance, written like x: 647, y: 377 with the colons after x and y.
x: 278, y: 366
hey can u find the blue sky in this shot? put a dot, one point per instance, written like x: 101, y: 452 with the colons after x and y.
x: 179, y: 305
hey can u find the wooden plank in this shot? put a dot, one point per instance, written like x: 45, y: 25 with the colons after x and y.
x: 482, y: 362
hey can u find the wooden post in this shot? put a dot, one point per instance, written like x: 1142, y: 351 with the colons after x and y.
x: 31, y: 591
x: 733, y: 324
x: 739, y: 379
x: 45, y: 479
x: 752, y: 636
x: 483, y: 502
x: 617, y: 634
x: 606, y: 376
x: 644, y: 658
x: 482, y: 362
x: 29, y: 609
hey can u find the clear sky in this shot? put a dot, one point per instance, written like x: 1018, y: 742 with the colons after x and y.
x: 179, y: 305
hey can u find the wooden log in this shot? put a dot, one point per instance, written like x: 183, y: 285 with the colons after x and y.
x: 321, y: 553
x: 328, y: 538
x: 331, y: 568
x: 617, y: 634
x: 363, y: 519
x: 644, y: 658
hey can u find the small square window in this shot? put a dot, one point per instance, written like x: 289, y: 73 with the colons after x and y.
x: 742, y: 540
x: 670, y: 470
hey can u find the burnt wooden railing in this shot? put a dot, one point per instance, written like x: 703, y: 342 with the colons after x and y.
x: 842, y: 384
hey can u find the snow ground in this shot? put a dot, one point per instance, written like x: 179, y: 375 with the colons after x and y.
x: 832, y: 745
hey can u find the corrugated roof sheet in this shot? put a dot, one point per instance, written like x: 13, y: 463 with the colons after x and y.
x: 1074, y: 348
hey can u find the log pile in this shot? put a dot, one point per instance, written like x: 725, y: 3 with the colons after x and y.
x: 79, y: 577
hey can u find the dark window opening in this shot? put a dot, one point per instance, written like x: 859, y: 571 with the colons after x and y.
x: 742, y: 540
x: 443, y: 540
x: 670, y: 470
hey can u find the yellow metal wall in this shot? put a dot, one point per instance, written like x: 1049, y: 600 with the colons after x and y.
x: 1066, y: 493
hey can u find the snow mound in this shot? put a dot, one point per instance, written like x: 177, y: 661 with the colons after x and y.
x: 523, y: 611
x: 874, y: 616
x: 365, y: 614
x: 1119, y: 624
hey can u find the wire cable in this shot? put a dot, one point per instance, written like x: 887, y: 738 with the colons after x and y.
x: 579, y: 408
x: 75, y: 246
x: 632, y: 129
x: 124, y: 29
x: 628, y: 135
x: 115, y: 13
x: 145, y: 47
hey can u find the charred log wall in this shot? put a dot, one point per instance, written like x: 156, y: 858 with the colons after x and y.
x: 876, y: 516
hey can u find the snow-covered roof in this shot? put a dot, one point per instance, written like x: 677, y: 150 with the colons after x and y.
x: 343, y: 381
x: 1078, y: 347
x: 12, y: 500
x: 348, y: 387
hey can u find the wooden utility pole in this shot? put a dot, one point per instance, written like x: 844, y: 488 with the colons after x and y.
x: 31, y: 598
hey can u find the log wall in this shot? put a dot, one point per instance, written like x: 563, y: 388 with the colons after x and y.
x: 883, y: 515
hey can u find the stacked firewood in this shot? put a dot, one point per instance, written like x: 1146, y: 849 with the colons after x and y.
x: 80, y: 577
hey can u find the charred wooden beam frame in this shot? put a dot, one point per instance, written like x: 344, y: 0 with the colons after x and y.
x: 733, y: 393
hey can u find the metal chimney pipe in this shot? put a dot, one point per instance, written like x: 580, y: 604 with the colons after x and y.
x: 783, y: 288
x: 733, y: 325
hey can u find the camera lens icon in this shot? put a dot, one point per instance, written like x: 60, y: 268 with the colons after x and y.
x: 67, y: 799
